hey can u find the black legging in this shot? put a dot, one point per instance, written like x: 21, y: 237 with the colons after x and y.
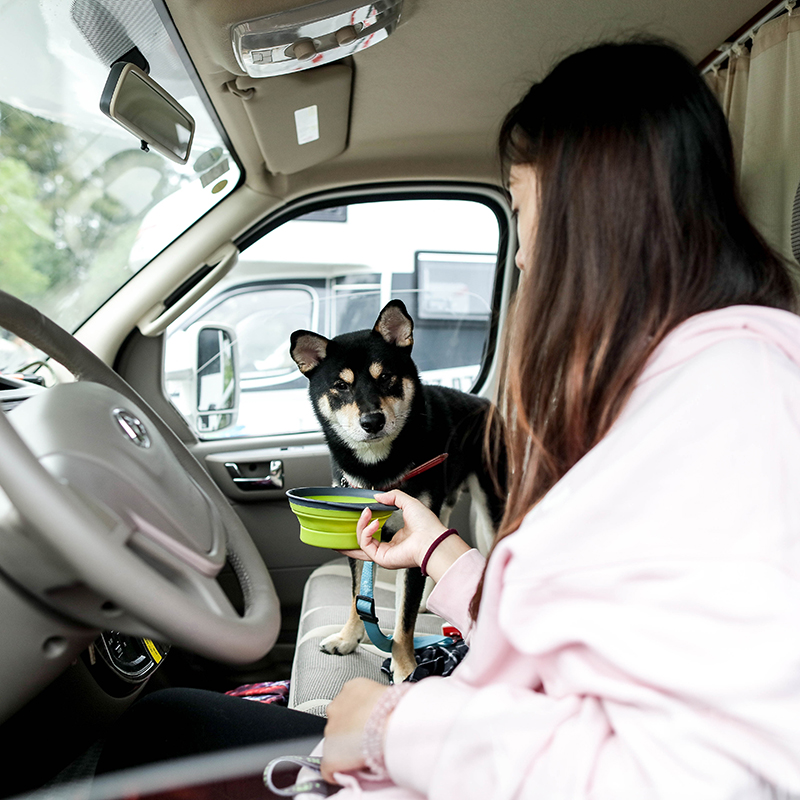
x: 174, y: 723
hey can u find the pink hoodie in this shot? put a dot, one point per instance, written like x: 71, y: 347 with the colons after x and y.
x: 640, y: 633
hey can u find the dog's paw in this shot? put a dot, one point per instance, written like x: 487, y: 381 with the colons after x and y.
x: 339, y: 645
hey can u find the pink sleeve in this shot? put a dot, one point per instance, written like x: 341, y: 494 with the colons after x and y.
x: 451, y: 596
x: 680, y: 675
x: 447, y: 739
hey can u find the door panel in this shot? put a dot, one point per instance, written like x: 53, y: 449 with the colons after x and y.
x: 266, y: 512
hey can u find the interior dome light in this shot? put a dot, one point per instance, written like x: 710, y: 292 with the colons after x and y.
x: 315, y: 34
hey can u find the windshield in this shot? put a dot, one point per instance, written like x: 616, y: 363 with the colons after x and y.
x: 82, y: 207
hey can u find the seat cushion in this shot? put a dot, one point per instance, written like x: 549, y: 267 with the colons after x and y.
x: 318, y: 676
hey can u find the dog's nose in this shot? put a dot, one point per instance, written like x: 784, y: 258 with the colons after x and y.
x: 372, y: 423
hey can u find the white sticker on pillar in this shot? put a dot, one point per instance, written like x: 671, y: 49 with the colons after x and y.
x: 306, y: 121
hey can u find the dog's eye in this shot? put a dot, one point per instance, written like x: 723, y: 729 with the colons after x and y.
x: 386, y: 379
x: 341, y: 386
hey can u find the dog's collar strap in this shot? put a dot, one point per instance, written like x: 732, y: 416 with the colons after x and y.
x: 365, y: 608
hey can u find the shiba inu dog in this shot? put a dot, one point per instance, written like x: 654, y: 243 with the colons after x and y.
x: 381, y: 422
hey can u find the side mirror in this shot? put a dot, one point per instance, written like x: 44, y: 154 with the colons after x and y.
x: 136, y: 102
x: 217, y: 387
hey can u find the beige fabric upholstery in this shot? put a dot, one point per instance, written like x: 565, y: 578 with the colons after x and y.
x: 317, y: 676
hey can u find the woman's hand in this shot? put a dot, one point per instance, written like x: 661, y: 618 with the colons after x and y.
x: 348, y: 713
x: 409, y: 545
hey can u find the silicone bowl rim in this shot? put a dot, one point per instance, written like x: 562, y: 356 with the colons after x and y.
x: 303, y: 496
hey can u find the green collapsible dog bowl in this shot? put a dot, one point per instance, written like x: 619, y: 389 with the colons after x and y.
x: 328, y: 516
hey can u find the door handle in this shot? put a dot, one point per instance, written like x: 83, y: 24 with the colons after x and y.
x: 251, y: 477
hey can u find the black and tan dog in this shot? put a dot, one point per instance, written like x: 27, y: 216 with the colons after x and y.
x: 380, y: 423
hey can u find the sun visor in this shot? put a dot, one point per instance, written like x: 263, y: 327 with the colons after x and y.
x: 299, y: 119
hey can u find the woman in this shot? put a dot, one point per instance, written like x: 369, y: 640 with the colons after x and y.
x: 636, y: 630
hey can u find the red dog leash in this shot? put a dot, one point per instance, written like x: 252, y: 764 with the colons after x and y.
x: 434, y: 462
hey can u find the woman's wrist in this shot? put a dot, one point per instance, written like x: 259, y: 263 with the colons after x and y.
x: 441, y: 552
x: 432, y: 547
x: 427, y: 541
x: 372, y: 743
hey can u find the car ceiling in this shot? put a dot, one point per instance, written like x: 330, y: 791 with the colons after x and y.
x: 430, y: 98
x: 424, y: 105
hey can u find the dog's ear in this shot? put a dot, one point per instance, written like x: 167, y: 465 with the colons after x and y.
x: 308, y: 350
x: 395, y: 325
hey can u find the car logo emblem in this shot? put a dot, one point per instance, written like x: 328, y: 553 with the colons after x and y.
x: 132, y: 427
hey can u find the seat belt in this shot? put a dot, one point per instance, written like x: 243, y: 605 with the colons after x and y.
x: 365, y: 607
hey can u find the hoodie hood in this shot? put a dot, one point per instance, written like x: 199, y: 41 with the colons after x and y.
x: 770, y: 325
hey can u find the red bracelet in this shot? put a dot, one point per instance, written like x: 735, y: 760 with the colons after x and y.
x: 439, y: 539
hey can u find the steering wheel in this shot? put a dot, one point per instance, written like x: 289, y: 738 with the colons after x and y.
x: 117, y: 525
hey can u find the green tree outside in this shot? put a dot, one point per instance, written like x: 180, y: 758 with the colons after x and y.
x: 63, y: 227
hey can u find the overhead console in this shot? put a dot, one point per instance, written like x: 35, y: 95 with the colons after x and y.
x: 297, y: 101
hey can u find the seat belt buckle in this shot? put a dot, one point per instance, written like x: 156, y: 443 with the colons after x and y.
x: 365, y: 608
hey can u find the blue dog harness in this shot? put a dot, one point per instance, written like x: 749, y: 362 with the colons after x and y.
x: 365, y: 607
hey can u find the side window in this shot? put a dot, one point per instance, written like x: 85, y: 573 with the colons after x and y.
x: 331, y: 271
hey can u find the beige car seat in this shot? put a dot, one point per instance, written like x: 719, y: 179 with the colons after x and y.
x: 317, y: 676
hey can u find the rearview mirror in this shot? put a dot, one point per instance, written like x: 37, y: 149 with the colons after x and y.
x: 136, y: 102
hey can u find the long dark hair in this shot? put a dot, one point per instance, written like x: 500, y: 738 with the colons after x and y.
x: 640, y: 226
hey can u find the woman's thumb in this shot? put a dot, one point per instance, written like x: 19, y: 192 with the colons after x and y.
x: 393, y: 498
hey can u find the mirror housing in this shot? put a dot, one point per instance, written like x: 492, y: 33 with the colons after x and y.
x: 202, y: 377
x: 217, y: 375
x: 136, y: 102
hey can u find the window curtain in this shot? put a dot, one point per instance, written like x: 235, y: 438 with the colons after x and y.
x: 760, y: 94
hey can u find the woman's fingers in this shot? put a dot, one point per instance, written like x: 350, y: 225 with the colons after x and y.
x: 363, y: 520
x: 365, y: 529
x: 358, y: 555
x: 403, y: 549
x: 414, y: 510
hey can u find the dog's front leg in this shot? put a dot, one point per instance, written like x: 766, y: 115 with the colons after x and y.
x: 410, y: 586
x: 353, y: 632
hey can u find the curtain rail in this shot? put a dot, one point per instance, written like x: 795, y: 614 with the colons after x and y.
x: 769, y: 12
